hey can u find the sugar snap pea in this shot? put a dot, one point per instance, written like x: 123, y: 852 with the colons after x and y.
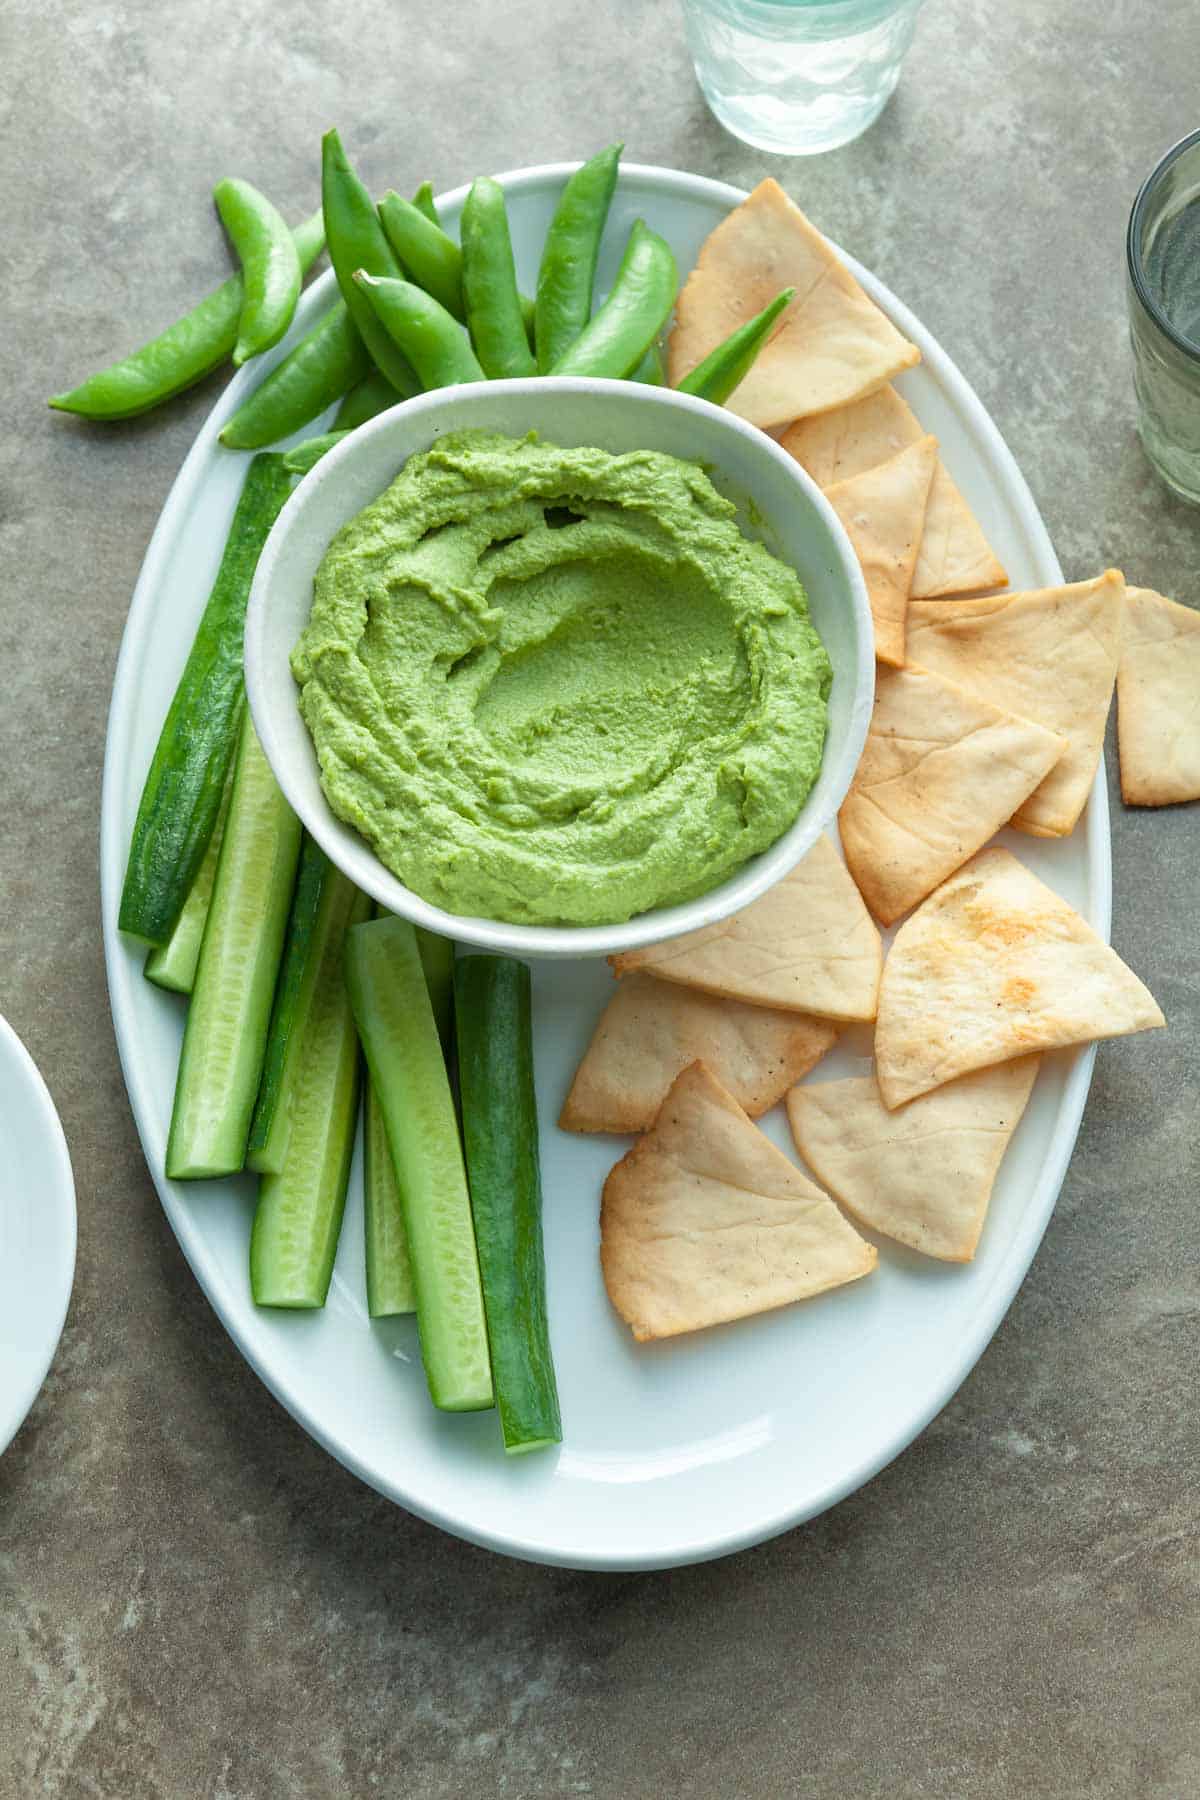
x: 329, y: 359
x: 270, y: 266
x: 183, y: 354
x: 357, y: 241
x: 723, y: 368
x: 618, y: 336
x: 489, y: 284
x: 303, y: 457
x: 568, y: 268
x: 650, y: 370
x: 424, y: 202
x: 431, y: 257
x: 372, y: 395
x: 430, y: 338
x: 428, y: 256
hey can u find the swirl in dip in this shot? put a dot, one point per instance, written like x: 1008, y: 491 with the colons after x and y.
x: 556, y: 686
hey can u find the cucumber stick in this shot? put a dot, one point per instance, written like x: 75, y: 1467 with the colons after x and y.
x: 298, y: 1219
x: 390, y: 1285
x: 320, y: 908
x: 437, y: 960
x: 390, y: 1288
x: 225, y: 1037
x: 408, y: 1072
x: 173, y: 964
x: 493, y: 1019
x: 182, y: 795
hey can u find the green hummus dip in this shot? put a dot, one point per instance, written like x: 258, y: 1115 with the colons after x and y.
x: 557, y: 686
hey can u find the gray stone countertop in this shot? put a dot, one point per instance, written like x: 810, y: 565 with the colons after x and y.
x: 195, y: 1600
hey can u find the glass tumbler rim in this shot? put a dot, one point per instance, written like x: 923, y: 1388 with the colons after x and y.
x: 1133, y: 250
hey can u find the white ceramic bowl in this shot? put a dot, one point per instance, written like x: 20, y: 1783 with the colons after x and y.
x: 789, y: 514
x: 37, y: 1231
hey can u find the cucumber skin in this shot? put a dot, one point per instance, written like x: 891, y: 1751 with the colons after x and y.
x: 329, y: 1101
x: 396, y: 1025
x: 493, y: 1013
x: 437, y: 961
x: 390, y: 1287
x: 318, y: 885
x: 208, y: 1133
x: 172, y: 965
x: 182, y: 794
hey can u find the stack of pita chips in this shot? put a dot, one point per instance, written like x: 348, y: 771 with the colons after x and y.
x: 990, y: 710
x: 703, y: 1032
x: 825, y: 374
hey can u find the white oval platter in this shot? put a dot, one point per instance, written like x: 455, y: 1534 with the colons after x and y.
x: 671, y: 1453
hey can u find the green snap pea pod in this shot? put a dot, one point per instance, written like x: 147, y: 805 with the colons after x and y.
x: 723, y: 368
x: 432, y: 258
x: 568, y: 268
x: 184, y: 354
x: 182, y: 796
x: 357, y: 241
x: 431, y: 340
x: 428, y: 256
x: 329, y: 359
x: 650, y: 369
x: 372, y: 395
x: 489, y: 283
x: 618, y: 336
x: 270, y: 266
x: 424, y: 202
x: 303, y: 457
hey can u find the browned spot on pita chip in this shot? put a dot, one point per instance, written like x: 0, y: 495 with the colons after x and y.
x: 808, y: 945
x: 705, y: 1220
x: 651, y: 1030
x: 833, y: 343
x: 955, y: 556
x: 941, y: 771
x: 883, y: 510
x: 1049, y: 655
x: 1158, y: 701
x: 923, y: 1175
x: 996, y: 965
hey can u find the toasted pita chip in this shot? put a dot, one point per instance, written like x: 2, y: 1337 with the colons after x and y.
x: 650, y: 1030
x: 995, y: 965
x: 1158, y: 701
x: 941, y: 771
x: 955, y: 556
x: 1050, y: 655
x: 808, y: 945
x: 883, y: 510
x: 922, y: 1175
x: 705, y: 1220
x: 832, y: 344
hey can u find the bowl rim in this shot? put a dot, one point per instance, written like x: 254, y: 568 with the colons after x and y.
x: 747, y: 884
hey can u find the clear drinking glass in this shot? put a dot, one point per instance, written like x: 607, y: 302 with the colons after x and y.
x: 798, y: 76
x: 1163, y: 257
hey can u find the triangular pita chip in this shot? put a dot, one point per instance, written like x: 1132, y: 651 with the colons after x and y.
x: 941, y: 771
x: 883, y: 510
x: 955, y: 557
x: 922, y: 1175
x: 808, y: 945
x: 1049, y: 654
x: 832, y: 344
x: 1158, y: 701
x: 650, y: 1030
x: 996, y: 965
x: 705, y: 1220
